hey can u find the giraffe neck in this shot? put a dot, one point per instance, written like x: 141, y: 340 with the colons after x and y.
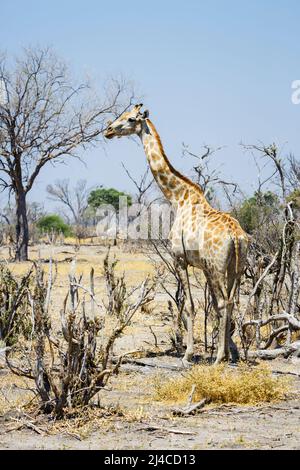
x: 174, y: 186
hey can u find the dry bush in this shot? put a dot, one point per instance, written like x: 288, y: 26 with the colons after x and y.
x: 185, y: 289
x: 175, y: 282
x: 14, y: 306
x: 71, y: 367
x: 222, y: 384
x: 271, y: 289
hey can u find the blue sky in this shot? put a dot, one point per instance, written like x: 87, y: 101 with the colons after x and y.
x: 216, y: 72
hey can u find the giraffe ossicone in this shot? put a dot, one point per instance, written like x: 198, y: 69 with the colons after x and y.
x: 201, y: 236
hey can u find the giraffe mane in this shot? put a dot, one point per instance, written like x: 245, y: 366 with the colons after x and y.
x: 176, y: 172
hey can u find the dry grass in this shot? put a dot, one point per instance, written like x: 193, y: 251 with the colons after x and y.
x: 79, y: 423
x: 14, y: 393
x: 136, y: 267
x: 243, y: 385
x: 82, y: 423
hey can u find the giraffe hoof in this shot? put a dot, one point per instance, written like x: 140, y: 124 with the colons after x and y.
x: 187, y: 363
x: 219, y: 360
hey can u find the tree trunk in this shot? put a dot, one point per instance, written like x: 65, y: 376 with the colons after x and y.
x: 22, y: 234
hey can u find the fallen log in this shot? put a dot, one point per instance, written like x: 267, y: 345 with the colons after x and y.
x: 285, y: 351
x: 284, y: 316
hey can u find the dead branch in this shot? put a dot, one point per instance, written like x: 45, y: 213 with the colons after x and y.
x: 151, y: 428
x: 190, y: 409
x: 295, y: 324
x: 285, y: 351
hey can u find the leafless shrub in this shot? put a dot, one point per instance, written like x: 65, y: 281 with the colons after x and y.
x: 207, y: 175
x: 69, y: 370
x: 14, y: 306
x: 179, y: 285
x: 170, y: 278
x: 75, y: 201
x: 272, y: 309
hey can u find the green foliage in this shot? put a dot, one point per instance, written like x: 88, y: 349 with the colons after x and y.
x: 294, y: 197
x: 258, y: 210
x: 101, y: 196
x: 53, y: 224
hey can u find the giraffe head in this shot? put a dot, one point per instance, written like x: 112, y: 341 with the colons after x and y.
x: 130, y: 122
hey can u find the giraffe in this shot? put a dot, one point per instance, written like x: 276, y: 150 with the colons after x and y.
x: 201, y: 236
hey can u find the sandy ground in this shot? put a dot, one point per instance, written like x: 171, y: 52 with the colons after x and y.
x: 140, y: 422
x: 149, y: 425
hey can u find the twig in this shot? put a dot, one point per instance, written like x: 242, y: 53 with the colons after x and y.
x: 28, y: 424
x: 191, y: 409
x: 154, y: 335
x: 264, y: 274
x: 191, y: 396
x: 142, y: 363
x: 150, y: 427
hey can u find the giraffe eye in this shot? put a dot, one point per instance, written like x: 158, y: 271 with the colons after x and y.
x: 131, y: 120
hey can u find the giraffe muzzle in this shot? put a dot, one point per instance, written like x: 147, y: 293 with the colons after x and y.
x: 109, y: 133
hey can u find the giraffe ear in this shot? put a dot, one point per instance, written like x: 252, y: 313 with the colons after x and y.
x: 146, y: 114
x: 138, y: 107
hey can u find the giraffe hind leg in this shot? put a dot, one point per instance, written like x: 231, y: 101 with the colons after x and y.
x: 189, y: 314
x: 233, y: 281
x: 220, y: 304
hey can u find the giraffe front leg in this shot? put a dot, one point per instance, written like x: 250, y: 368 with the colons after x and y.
x: 189, y: 311
x: 189, y: 352
x: 223, y: 353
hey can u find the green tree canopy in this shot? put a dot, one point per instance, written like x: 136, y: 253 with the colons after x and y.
x: 53, y: 224
x: 257, y: 210
x: 111, y: 196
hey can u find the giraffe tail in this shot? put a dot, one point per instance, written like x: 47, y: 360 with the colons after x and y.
x: 237, y: 259
x: 237, y: 253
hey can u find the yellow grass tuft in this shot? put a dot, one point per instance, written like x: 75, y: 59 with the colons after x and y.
x: 223, y: 384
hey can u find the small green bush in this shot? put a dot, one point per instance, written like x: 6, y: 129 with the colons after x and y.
x: 258, y: 210
x: 54, y: 224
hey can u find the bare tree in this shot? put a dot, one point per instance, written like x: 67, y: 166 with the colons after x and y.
x: 142, y: 185
x: 205, y: 175
x: 294, y: 172
x: 44, y: 117
x: 273, y: 262
x: 74, y: 199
